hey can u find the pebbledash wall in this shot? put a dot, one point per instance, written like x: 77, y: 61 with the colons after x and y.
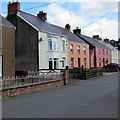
x: 35, y: 87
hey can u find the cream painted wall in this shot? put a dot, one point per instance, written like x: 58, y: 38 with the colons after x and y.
x: 44, y: 53
x: 114, y: 56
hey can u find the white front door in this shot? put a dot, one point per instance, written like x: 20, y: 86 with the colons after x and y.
x: 0, y: 66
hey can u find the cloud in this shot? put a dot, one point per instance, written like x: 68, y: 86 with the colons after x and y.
x: 61, y: 16
x: 98, y: 8
x: 105, y: 28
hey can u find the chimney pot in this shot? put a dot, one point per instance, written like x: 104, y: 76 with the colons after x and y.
x: 42, y: 15
x: 106, y: 40
x: 96, y: 37
x: 77, y: 31
x: 67, y: 26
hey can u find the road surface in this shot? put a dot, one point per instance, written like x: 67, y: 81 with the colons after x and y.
x: 96, y: 98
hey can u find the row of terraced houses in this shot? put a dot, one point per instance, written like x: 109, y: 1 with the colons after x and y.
x: 31, y: 43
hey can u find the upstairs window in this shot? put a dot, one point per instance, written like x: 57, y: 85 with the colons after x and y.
x: 71, y: 48
x: 106, y: 52
x: 52, y: 44
x: 78, y: 49
x: 103, y: 52
x: 99, y: 51
x: 84, y: 49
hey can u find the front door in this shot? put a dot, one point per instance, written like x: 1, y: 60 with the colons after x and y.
x: 50, y: 65
x: 78, y: 62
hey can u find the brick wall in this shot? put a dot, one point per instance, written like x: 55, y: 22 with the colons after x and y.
x: 34, y: 87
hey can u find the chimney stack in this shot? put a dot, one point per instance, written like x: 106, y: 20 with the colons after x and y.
x: 96, y: 37
x: 13, y: 7
x: 67, y: 26
x: 42, y: 15
x: 106, y: 40
x: 77, y: 31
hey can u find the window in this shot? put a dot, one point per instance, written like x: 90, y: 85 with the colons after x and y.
x: 99, y: 51
x: 99, y: 62
x: 84, y: 49
x: 78, y: 49
x: 85, y: 62
x: 63, y: 62
x: 55, y: 45
x: 63, y: 45
x: 103, y: 52
x: 55, y: 63
x: 107, y: 61
x: 106, y: 52
x: 71, y: 48
x: 50, y: 44
x: 72, y: 62
x: 103, y: 61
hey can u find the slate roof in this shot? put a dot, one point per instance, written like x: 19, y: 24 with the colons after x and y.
x: 39, y: 23
x: 5, y: 22
x: 71, y: 36
x: 109, y: 46
x: 91, y: 41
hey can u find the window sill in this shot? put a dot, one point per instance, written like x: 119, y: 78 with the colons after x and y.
x: 51, y: 51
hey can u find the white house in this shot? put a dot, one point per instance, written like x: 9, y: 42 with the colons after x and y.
x: 52, y: 51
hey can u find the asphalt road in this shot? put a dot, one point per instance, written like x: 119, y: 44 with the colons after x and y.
x: 97, y: 98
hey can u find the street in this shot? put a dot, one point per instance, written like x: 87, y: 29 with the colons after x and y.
x: 95, y: 98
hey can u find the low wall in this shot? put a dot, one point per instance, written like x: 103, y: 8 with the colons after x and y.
x: 33, y: 87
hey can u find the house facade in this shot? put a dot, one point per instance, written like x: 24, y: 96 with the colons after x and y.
x: 7, y: 48
x: 38, y: 44
x: 114, y: 52
x: 78, y: 50
x: 99, y: 54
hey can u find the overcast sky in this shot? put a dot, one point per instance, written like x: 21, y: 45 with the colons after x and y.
x: 90, y: 16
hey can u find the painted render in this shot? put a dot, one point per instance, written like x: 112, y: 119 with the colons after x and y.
x: 7, y: 48
x: 75, y: 55
x: 45, y: 54
x: 114, y: 52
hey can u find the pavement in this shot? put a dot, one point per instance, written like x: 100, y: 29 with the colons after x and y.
x: 95, y: 98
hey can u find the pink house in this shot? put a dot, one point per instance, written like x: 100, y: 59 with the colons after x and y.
x: 99, y: 54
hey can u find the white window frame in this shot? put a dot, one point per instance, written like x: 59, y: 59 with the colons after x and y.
x: 78, y: 49
x: 84, y: 50
x: 63, y: 45
x: 71, y: 48
x: 54, y: 43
